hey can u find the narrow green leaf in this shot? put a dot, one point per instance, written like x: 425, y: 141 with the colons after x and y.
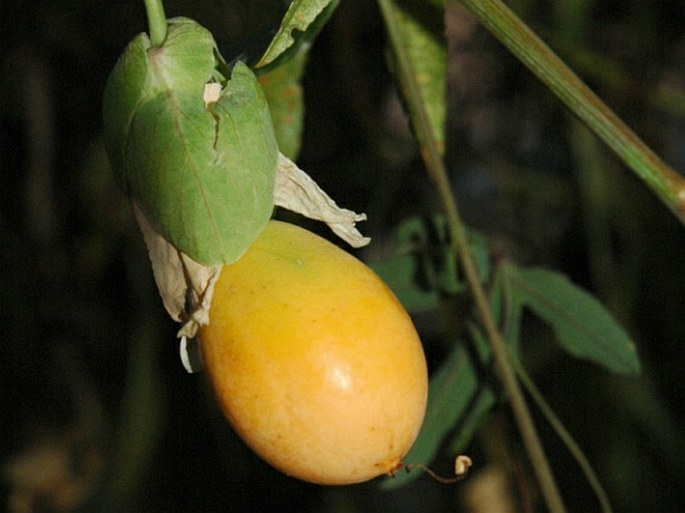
x: 478, y: 413
x: 461, y: 392
x: 300, y: 16
x: 420, y: 32
x: 507, y: 308
x: 286, y: 103
x: 583, y: 327
x: 484, y: 400
x: 407, y: 271
x: 280, y: 70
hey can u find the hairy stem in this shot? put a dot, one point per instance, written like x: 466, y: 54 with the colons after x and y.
x: 520, y: 40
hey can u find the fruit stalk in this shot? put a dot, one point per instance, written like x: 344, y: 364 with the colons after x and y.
x: 156, y: 21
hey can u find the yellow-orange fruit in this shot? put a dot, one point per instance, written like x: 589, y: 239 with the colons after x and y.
x: 315, y: 363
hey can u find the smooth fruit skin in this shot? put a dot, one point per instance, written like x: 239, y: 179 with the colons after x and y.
x: 315, y: 363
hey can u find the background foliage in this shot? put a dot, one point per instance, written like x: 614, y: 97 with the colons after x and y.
x: 91, y: 388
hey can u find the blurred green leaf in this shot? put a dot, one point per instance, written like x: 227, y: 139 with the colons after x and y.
x: 204, y: 175
x: 455, y: 390
x: 460, y: 396
x: 419, y: 27
x: 477, y: 414
x: 435, y: 258
x: 423, y: 267
x: 304, y: 16
x: 283, y: 92
x: 583, y: 327
x: 507, y: 308
x: 484, y: 399
x: 280, y: 69
x: 401, y: 275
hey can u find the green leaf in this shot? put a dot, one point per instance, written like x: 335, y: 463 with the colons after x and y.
x: 486, y: 396
x: 280, y: 69
x: 204, y: 175
x: 301, y: 17
x: 125, y: 90
x: 435, y: 258
x: 401, y: 275
x: 455, y: 389
x: 507, y: 308
x: 423, y: 268
x: 477, y: 414
x: 583, y: 327
x: 283, y: 92
x: 280, y: 72
x: 420, y: 46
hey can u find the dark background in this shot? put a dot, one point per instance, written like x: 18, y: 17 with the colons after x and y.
x: 96, y: 412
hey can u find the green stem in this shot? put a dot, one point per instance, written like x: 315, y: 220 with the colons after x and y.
x: 434, y: 163
x: 156, y: 21
x: 668, y: 185
x: 564, y: 435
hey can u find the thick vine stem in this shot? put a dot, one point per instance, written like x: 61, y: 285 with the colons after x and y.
x: 437, y: 171
x: 156, y: 20
x: 507, y: 374
x: 521, y: 41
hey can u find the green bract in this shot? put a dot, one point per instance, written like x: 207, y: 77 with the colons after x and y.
x: 203, y: 174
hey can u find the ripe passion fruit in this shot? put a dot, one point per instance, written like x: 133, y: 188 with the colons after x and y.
x: 314, y: 362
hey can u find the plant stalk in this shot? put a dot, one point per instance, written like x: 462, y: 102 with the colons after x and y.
x: 156, y: 20
x: 522, y: 415
x: 520, y: 40
x: 564, y: 435
x: 435, y: 166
